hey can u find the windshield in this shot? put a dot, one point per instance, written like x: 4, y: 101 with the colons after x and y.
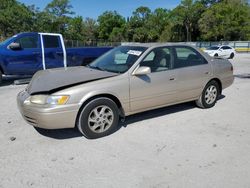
x: 118, y: 60
x: 213, y: 48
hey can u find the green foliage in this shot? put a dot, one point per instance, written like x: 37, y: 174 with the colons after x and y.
x: 90, y: 29
x: 191, y: 20
x: 14, y: 17
x: 75, y: 29
x: 59, y: 12
x: 227, y: 20
x: 107, y: 22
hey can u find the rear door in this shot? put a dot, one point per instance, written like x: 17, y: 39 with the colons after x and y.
x: 26, y: 60
x: 193, y: 72
x: 53, y: 51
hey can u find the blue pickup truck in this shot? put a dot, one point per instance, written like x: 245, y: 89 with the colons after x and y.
x: 26, y: 53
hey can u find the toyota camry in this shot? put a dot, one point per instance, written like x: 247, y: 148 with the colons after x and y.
x: 126, y: 80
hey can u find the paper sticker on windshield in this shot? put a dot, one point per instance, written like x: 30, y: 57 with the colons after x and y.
x: 134, y: 52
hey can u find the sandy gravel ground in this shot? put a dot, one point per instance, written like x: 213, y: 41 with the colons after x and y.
x: 178, y: 146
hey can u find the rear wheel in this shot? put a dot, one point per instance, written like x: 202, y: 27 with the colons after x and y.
x: 209, y: 95
x: 98, y: 118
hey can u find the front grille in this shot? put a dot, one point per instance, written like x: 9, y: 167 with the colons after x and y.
x: 30, y: 120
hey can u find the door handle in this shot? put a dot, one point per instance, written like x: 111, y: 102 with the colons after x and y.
x: 171, y: 79
x: 36, y: 53
x: 59, y: 53
x: 207, y: 72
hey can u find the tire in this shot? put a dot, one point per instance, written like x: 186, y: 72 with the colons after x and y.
x: 231, y: 56
x: 99, y: 118
x: 1, y: 76
x: 216, y: 55
x: 209, y: 95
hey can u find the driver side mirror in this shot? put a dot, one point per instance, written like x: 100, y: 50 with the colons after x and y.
x: 143, y: 70
x: 15, y: 46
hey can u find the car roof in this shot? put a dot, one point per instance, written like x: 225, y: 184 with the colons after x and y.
x: 149, y: 45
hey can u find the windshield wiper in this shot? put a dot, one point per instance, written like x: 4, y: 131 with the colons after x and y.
x: 102, y: 69
x: 96, y: 67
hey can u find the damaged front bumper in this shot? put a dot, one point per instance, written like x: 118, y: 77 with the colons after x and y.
x: 47, y: 116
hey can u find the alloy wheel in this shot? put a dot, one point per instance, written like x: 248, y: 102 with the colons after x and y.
x: 100, y: 119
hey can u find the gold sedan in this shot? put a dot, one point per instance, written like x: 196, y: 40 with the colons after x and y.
x: 124, y: 81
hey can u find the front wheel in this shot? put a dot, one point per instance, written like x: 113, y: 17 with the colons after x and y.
x: 99, y: 118
x: 231, y: 56
x: 1, y: 76
x: 209, y: 95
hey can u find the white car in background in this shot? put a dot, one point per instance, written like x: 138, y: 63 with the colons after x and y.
x: 223, y: 51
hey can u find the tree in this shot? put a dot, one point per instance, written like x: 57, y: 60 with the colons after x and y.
x: 156, y: 23
x: 227, y: 20
x: 117, y: 34
x: 107, y: 22
x: 14, y: 17
x: 75, y: 29
x: 141, y: 14
x: 187, y: 15
x: 90, y: 29
x: 60, y: 12
x: 137, y: 27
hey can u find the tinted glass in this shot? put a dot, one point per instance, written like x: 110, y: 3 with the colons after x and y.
x: 226, y: 47
x: 213, y: 48
x: 186, y: 56
x: 51, y: 41
x: 118, y: 60
x: 28, y: 41
x: 158, y: 60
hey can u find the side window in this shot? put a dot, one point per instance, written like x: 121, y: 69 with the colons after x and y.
x: 186, y: 56
x: 51, y: 41
x: 226, y: 48
x: 150, y: 57
x: 27, y: 42
x: 158, y: 59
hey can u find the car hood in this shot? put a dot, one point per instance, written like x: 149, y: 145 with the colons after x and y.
x: 52, y: 80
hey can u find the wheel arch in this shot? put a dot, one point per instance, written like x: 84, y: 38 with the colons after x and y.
x: 104, y: 95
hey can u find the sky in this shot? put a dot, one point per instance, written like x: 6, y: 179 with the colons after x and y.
x: 94, y: 8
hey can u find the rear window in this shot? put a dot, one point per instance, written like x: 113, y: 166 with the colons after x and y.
x: 51, y: 41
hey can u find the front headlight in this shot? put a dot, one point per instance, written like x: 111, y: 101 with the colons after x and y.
x: 58, y: 100
x: 38, y: 99
x: 49, y: 99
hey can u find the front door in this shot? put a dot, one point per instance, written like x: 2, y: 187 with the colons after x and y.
x: 157, y: 88
x: 26, y: 60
